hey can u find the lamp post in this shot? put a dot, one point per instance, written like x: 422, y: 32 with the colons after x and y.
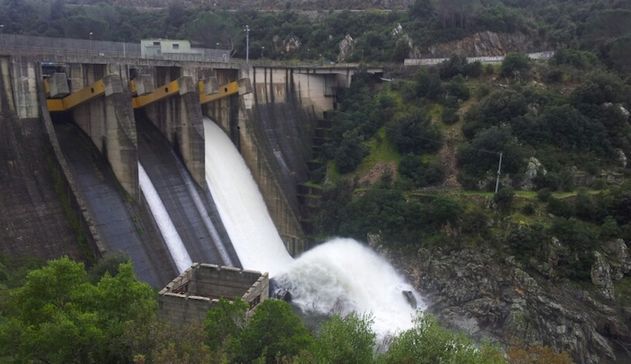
x: 263, y: 52
x: 247, y: 43
x: 91, y: 45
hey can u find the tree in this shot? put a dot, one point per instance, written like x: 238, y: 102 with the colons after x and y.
x: 515, y: 65
x: 428, y: 85
x: 414, y: 133
x: 224, y: 322
x: 345, y: 340
x: 482, y: 154
x: 58, y: 316
x: 274, y: 332
x: 420, y: 173
x: 504, y: 198
x: 428, y: 343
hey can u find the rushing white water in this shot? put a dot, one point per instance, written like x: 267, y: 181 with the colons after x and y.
x: 342, y: 276
x: 241, y: 206
x: 339, y: 276
x: 163, y: 220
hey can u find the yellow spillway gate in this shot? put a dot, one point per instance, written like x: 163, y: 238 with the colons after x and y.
x: 231, y: 88
x: 160, y: 93
x: 85, y: 94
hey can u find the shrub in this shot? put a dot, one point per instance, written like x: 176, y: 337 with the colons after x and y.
x: 420, y: 173
x: 456, y: 87
x: 428, y: 85
x: 504, y: 198
x: 559, y: 207
x: 450, y: 115
x: 473, y: 69
x: 414, y: 133
x: 544, y: 194
x: 515, y: 65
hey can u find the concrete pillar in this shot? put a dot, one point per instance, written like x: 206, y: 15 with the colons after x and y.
x: 179, y: 118
x: 121, y: 141
x: 24, y: 85
x: 189, y: 130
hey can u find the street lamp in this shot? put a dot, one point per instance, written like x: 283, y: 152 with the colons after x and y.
x: 263, y: 52
x: 91, y: 45
x: 247, y: 43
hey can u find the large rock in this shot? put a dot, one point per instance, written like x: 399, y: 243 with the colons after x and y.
x: 482, y: 44
x: 601, y: 276
x: 618, y: 258
x: 534, y: 169
x: 488, y: 296
x: 346, y: 47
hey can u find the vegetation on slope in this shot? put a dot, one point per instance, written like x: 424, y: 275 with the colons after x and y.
x: 378, y: 35
x: 558, y: 128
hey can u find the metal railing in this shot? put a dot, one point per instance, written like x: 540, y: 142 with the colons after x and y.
x: 12, y: 44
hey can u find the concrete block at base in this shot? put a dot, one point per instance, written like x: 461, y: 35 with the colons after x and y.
x: 144, y: 84
x: 186, y: 85
x: 58, y: 85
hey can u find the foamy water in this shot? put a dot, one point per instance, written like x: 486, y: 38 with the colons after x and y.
x: 339, y: 276
x: 163, y: 220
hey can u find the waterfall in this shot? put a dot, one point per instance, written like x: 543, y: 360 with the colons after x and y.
x: 339, y: 276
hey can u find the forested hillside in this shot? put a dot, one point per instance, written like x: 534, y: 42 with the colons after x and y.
x: 370, y: 35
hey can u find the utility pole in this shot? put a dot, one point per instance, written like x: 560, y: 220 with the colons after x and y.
x: 247, y: 43
x: 499, y: 172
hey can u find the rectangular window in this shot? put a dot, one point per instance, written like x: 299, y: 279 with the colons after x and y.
x: 156, y: 43
x: 176, y: 46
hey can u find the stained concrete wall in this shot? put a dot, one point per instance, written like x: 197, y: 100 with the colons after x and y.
x: 179, y: 118
x: 41, y: 215
x: 188, y: 297
x: 24, y: 87
x: 109, y: 121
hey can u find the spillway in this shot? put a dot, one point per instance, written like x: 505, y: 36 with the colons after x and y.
x: 189, y: 215
x: 339, y: 276
x: 119, y: 225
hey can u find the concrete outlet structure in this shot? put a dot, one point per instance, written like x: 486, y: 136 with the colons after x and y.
x: 187, y: 298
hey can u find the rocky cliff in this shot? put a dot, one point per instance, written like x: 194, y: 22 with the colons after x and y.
x: 482, y: 44
x: 488, y: 295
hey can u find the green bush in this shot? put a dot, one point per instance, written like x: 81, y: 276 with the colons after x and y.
x: 457, y: 88
x: 504, y: 198
x: 560, y: 208
x: 515, y: 65
x: 414, y: 133
x: 575, y: 58
x: 450, y: 115
x: 420, y: 173
x: 544, y: 194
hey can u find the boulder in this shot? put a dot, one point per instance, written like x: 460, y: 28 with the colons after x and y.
x: 346, y: 47
x: 601, y: 276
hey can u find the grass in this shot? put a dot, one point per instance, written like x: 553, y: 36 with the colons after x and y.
x: 380, y: 150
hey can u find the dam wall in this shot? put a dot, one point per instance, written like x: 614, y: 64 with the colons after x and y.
x: 109, y: 120
x: 41, y: 216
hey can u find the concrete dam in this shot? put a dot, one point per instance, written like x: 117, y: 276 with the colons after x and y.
x: 180, y: 162
x: 88, y: 124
